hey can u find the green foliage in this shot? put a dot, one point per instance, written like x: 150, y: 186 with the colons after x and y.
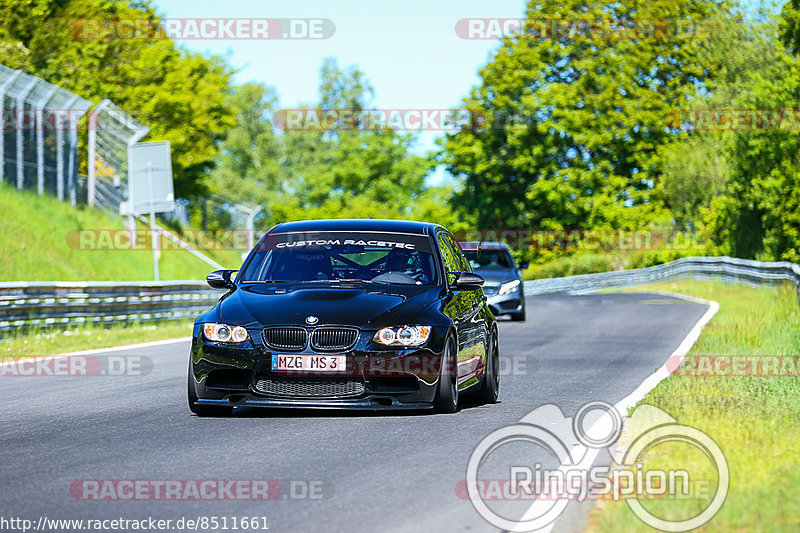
x: 789, y: 25
x: 300, y: 174
x: 575, y: 125
x: 575, y: 264
x: 590, y: 263
x: 179, y: 94
x: 750, y: 190
x: 249, y: 168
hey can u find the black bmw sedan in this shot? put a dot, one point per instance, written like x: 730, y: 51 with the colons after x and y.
x: 374, y: 314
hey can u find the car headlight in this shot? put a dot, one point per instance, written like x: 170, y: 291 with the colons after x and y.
x: 224, y: 333
x: 505, y: 288
x: 403, y: 336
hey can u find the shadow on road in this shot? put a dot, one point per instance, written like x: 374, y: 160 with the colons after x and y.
x: 298, y: 412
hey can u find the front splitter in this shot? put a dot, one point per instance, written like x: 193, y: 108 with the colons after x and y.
x: 372, y: 404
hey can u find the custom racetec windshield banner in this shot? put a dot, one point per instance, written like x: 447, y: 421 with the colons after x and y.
x: 343, y: 239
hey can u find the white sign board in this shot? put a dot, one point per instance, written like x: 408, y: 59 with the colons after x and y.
x: 150, y: 178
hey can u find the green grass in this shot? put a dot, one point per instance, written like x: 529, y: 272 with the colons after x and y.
x: 35, y: 246
x: 754, y: 420
x: 54, y: 340
x: 578, y: 263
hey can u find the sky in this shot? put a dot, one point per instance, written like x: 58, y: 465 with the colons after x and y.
x: 409, y: 50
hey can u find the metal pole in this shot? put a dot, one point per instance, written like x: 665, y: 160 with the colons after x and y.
x: 90, y: 183
x: 249, y: 225
x: 40, y: 138
x: 72, y: 179
x: 60, y: 125
x: 60, y: 157
x: 20, y: 147
x: 153, y: 227
x: 3, y: 88
x: 92, y: 158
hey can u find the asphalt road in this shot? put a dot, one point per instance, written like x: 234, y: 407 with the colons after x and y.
x: 367, y: 472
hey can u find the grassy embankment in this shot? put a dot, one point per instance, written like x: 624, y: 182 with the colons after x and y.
x: 38, y: 243
x: 754, y: 419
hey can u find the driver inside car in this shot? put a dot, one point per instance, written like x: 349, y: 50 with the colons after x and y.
x: 399, y: 261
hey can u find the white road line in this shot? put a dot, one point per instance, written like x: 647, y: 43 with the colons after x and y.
x: 98, y: 350
x: 630, y: 400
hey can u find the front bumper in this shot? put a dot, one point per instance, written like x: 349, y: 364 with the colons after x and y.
x: 379, y: 379
x: 502, y: 304
x: 372, y: 403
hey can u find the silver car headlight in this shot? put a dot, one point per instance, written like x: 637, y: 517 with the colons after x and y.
x: 505, y: 288
x: 224, y: 333
x: 403, y: 336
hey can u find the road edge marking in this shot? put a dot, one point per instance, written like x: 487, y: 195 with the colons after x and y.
x: 648, y: 384
x: 124, y: 347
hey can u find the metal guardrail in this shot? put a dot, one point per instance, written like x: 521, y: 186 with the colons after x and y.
x: 53, y: 303
x: 699, y: 268
x: 50, y: 303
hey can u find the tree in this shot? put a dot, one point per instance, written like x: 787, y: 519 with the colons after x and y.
x: 180, y: 95
x: 249, y: 166
x: 757, y: 215
x: 575, y: 121
x: 315, y: 173
x: 348, y: 172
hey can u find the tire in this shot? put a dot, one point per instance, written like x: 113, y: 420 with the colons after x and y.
x: 490, y: 387
x: 518, y: 317
x: 446, y: 400
x: 203, y: 410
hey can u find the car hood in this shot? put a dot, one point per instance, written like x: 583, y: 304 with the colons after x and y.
x: 496, y: 277
x: 259, y: 305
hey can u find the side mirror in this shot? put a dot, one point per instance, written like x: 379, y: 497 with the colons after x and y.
x: 467, y: 281
x: 220, y: 279
x: 523, y: 265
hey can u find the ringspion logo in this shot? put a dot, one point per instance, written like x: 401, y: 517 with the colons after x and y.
x: 569, y: 442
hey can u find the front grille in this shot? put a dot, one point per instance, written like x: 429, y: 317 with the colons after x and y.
x: 333, y: 339
x: 309, y: 387
x: 490, y: 291
x: 509, y: 305
x: 286, y: 338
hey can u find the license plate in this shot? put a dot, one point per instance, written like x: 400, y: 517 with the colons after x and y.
x: 313, y: 363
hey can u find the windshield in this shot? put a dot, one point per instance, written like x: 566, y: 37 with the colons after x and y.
x: 342, y: 256
x: 490, y: 259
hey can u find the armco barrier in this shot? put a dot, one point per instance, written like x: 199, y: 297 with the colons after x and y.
x: 724, y: 268
x: 55, y: 303
x: 51, y: 303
